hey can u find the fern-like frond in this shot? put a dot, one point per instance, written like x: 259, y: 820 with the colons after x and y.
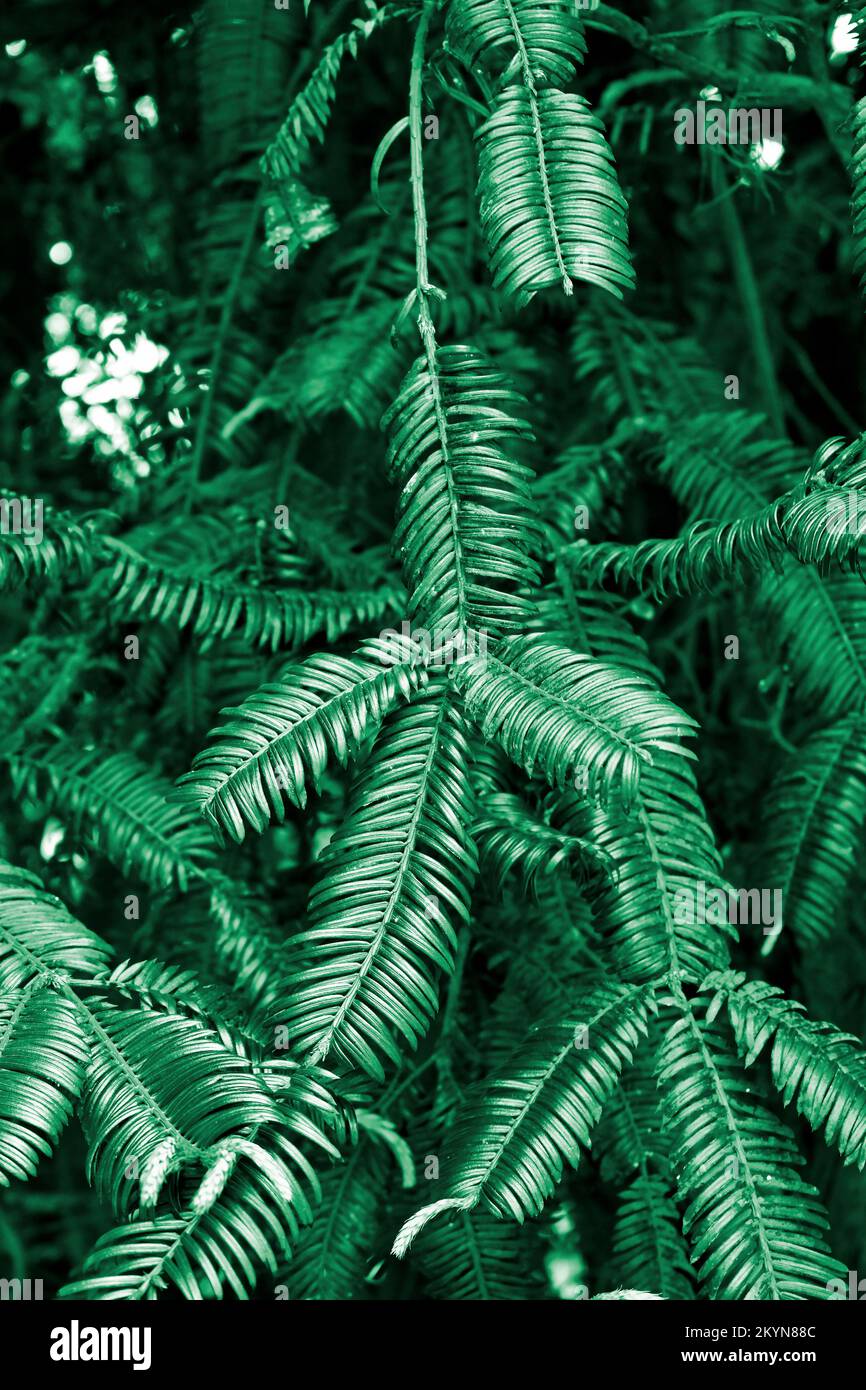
x: 466, y: 528
x: 440, y: 902
x: 206, y: 1251
x: 816, y: 1067
x: 475, y: 1256
x: 248, y: 947
x: 520, y: 1128
x: 551, y: 207
x: 333, y: 1256
x: 814, y: 813
x: 41, y: 545
x: 703, y: 557
x: 161, y: 1091
x: 588, y: 620
x: 346, y: 361
x: 310, y: 111
x: 286, y: 733
x: 722, y: 464
x: 755, y: 1227
x: 212, y: 607
x: 243, y: 59
x: 395, y: 885
x: 141, y: 1259
x: 511, y: 840
x: 818, y: 520
x: 630, y: 365
x: 805, y: 612
x: 569, y: 717
x: 648, y: 1248
x: 740, y: 488
x: 170, y: 988
x: 650, y: 913
x: 509, y: 38
x: 39, y: 936
x: 42, y: 1054
x: 119, y: 804
x: 295, y: 219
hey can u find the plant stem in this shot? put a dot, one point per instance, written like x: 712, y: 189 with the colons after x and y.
x: 419, y: 204
x: 423, y: 289
x: 751, y: 300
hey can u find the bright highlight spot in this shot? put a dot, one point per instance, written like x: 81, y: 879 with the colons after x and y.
x: 86, y: 318
x: 145, y: 107
x: 52, y: 838
x: 843, y: 36
x: 146, y: 355
x: 767, y: 154
x: 102, y: 388
x: 60, y: 253
x: 565, y: 1273
x: 75, y: 424
x: 104, y: 72
x: 57, y: 327
x: 63, y: 361
x: 111, y: 324
x: 16, y: 48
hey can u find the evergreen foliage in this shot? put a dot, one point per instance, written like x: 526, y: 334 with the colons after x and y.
x: 434, y: 708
